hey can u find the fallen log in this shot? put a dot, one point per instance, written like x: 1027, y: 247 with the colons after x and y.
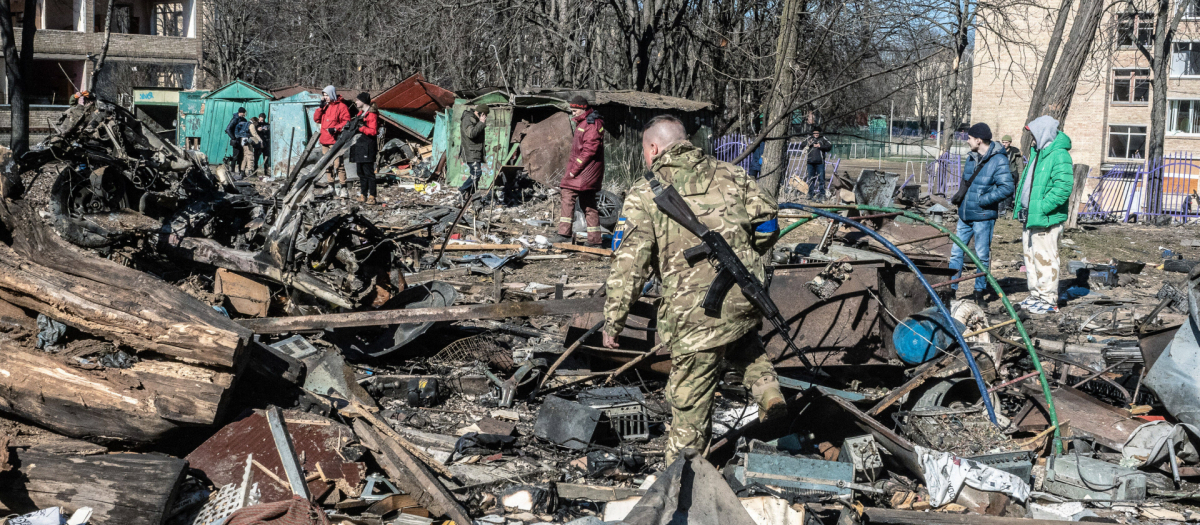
x: 121, y: 489
x: 273, y: 325
x: 568, y: 247
x: 144, y: 403
x: 40, y: 272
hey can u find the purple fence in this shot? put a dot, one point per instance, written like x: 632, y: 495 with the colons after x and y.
x: 1166, y: 186
x: 729, y: 147
x: 944, y: 174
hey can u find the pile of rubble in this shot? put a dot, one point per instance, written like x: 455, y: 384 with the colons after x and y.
x: 182, y: 348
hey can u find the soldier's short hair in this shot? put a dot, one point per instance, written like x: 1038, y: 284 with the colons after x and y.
x: 662, y: 118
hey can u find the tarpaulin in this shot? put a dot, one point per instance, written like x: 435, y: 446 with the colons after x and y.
x: 689, y: 491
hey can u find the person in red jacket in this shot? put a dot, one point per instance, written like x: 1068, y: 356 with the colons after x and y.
x: 364, y: 149
x: 584, y: 173
x: 332, y: 116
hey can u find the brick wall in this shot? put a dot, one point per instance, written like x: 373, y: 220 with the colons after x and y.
x: 1003, y: 84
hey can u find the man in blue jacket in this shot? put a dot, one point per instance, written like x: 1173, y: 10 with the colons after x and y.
x: 987, y: 181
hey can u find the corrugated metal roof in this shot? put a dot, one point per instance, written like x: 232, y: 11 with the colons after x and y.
x: 636, y: 99
x: 421, y: 127
x: 415, y: 96
x: 239, y: 90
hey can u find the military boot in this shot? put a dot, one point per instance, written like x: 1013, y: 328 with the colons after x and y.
x: 771, y: 403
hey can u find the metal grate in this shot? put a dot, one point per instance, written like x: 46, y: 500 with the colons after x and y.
x: 481, y: 348
x: 629, y: 421
x: 229, y: 499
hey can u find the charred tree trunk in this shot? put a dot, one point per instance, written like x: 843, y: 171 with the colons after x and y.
x: 779, y: 101
x: 18, y: 65
x: 1039, y: 90
x: 1061, y: 88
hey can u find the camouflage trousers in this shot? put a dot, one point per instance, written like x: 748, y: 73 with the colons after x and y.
x: 1040, y: 247
x: 693, y: 384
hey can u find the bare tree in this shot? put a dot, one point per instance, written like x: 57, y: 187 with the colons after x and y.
x: 18, y: 66
x: 1055, y: 100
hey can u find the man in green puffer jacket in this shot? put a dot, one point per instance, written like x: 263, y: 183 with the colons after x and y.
x: 1041, y: 205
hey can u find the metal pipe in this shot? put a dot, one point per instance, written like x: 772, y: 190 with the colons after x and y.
x: 922, y: 239
x: 937, y: 301
x: 1028, y: 343
x: 1017, y: 380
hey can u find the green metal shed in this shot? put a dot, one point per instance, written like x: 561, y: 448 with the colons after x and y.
x: 219, y: 107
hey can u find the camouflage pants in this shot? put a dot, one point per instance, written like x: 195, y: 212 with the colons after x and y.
x: 693, y: 385
x: 1040, y: 247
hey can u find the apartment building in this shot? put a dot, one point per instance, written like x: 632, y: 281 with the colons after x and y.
x: 1109, y: 117
x: 154, y: 44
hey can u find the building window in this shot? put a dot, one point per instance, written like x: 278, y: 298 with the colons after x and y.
x: 1191, y: 9
x: 1184, y: 116
x: 168, y: 19
x: 1185, y: 59
x: 1131, y: 85
x: 1135, y: 28
x: 1127, y: 142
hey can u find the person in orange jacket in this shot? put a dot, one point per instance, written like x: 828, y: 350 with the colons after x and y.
x: 584, y: 173
x: 333, y: 115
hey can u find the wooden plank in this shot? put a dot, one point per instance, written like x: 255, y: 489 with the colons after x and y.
x: 585, y: 249
x: 121, y: 489
x: 412, y: 476
x: 481, y: 247
x: 274, y: 325
x: 929, y: 369
x: 912, y: 517
x: 601, y: 494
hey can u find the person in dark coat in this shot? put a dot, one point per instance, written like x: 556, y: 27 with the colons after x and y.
x: 365, y: 147
x: 1016, y: 165
x: 233, y: 129
x: 817, y: 146
x: 471, y: 129
x: 988, y: 183
x: 263, y: 149
x: 584, y: 174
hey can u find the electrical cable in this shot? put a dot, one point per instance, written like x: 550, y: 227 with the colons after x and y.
x: 937, y: 301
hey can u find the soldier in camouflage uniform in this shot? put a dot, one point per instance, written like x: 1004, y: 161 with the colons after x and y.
x: 726, y: 201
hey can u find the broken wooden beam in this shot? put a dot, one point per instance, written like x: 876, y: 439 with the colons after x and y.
x: 274, y: 325
x: 915, y: 517
x: 481, y: 247
x: 121, y: 489
x: 412, y: 476
x: 208, y: 251
x: 40, y: 272
x: 566, y: 246
x: 141, y: 404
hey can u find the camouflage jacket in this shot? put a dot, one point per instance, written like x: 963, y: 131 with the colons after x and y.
x: 725, y: 200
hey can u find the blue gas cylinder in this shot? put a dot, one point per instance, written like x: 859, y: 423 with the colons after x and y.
x: 921, y: 336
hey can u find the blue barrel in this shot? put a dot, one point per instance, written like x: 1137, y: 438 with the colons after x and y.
x: 923, y: 335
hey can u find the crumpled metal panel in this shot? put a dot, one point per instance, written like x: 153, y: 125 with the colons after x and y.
x: 546, y: 148
x: 1173, y: 377
x: 414, y: 96
x: 840, y: 324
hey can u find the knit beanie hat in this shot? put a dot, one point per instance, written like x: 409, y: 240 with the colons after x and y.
x: 980, y: 131
x: 578, y: 102
x: 364, y: 97
x: 1006, y: 138
x: 331, y: 91
x: 483, y: 109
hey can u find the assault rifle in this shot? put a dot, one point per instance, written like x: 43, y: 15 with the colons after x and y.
x: 729, y: 267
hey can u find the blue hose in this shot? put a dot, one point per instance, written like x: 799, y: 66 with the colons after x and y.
x: 937, y: 301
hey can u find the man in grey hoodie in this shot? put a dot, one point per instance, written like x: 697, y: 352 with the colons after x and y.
x: 1041, y: 206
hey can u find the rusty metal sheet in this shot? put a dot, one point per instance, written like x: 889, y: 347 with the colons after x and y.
x: 1108, y: 425
x: 901, y: 230
x: 839, y: 325
x: 317, y: 441
x: 639, y: 336
x: 545, y: 148
x: 414, y: 96
x: 902, y: 295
